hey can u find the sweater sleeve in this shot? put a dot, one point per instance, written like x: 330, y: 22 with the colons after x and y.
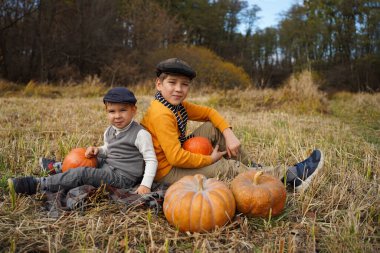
x: 103, y: 149
x: 203, y: 113
x: 144, y: 144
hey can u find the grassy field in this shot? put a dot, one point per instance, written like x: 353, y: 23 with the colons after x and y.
x: 340, y: 212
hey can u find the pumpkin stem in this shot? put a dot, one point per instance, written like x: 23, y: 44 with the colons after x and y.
x: 200, y: 187
x: 256, y: 177
x: 200, y: 180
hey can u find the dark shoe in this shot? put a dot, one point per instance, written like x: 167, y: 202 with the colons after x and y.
x: 23, y: 185
x: 50, y: 166
x: 255, y: 165
x: 307, y: 170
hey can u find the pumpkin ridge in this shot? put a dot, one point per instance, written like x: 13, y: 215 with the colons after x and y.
x: 199, y: 188
x: 261, y: 199
x: 211, y: 206
x: 222, y: 198
x: 250, y: 202
x: 278, y: 204
x: 222, y: 193
x: 246, y: 187
x: 173, y: 204
x: 174, y: 196
x: 179, y: 205
x: 194, y: 209
x: 191, y: 208
x: 272, y: 198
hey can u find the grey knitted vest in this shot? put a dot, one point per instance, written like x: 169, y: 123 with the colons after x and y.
x: 122, y: 155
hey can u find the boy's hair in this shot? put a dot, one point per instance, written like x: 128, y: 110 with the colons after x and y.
x: 119, y: 95
x: 163, y: 76
x: 175, y: 66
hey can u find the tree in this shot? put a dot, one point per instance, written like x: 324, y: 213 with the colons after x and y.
x: 13, y: 34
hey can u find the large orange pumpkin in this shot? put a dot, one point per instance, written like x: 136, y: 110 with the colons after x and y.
x: 197, y: 204
x: 76, y: 158
x: 198, y: 145
x: 258, y: 194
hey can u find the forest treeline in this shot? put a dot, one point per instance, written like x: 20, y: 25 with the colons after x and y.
x: 122, y: 40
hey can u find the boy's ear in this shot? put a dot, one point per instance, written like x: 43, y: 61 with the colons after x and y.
x: 134, y: 110
x: 158, y: 84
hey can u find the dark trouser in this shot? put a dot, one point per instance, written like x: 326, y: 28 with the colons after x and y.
x: 85, y: 176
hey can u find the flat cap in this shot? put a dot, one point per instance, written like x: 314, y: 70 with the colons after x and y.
x: 120, y: 95
x: 175, y: 66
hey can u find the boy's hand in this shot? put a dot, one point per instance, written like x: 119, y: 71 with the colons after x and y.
x: 91, y: 152
x: 232, y: 142
x: 142, y: 189
x: 216, y: 154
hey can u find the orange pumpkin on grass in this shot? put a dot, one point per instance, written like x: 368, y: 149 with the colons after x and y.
x: 258, y: 194
x: 197, y: 204
x: 198, y: 145
x: 76, y: 158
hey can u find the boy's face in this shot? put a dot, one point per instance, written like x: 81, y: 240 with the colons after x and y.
x: 120, y: 115
x: 174, y: 88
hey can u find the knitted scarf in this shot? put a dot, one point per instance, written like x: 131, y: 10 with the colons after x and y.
x: 181, y: 120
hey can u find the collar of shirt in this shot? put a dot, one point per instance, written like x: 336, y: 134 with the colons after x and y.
x: 120, y: 130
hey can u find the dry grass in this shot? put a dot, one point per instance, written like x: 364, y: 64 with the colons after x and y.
x: 299, y: 94
x: 339, y: 213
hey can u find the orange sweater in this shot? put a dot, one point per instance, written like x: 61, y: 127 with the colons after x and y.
x: 162, y: 125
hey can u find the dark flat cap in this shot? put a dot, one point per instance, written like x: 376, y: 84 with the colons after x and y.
x: 120, y: 95
x: 175, y: 66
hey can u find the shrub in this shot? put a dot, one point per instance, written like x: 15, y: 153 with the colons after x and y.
x: 7, y: 88
x: 41, y: 90
x: 301, y: 93
x: 91, y: 86
x: 211, y: 69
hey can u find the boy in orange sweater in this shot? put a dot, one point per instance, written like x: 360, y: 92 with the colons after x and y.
x: 166, y: 120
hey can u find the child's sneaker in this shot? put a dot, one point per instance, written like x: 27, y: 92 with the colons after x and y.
x: 23, y: 185
x: 307, y: 170
x: 50, y: 166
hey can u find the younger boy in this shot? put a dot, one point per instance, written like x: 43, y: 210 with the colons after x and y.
x: 166, y: 120
x: 126, y: 158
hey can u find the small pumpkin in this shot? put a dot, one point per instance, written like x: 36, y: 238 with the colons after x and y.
x: 258, y: 194
x: 76, y: 158
x: 197, y: 204
x: 198, y: 145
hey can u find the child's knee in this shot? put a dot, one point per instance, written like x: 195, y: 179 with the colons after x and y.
x: 210, y: 127
x: 208, y: 130
x: 208, y: 124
